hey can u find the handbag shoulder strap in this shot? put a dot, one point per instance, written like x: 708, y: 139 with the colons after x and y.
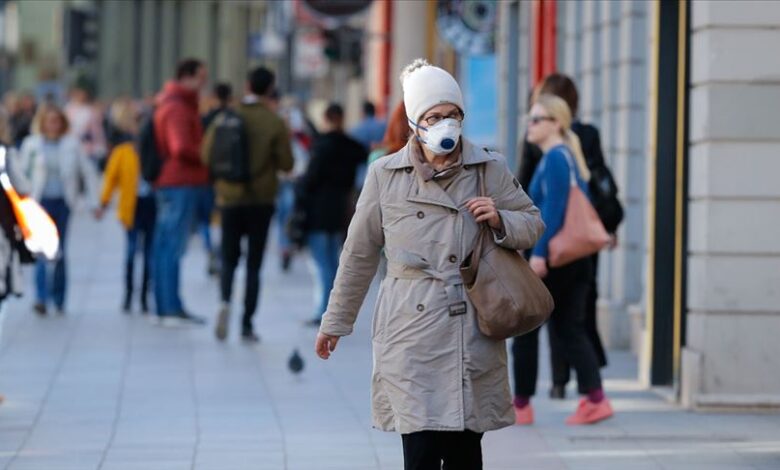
x: 570, y: 164
x: 476, y: 250
x: 482, y: 176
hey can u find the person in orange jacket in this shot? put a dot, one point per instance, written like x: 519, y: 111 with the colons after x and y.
x: 136, y: 209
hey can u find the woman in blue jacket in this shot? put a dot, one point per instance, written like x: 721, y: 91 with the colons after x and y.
x: 549, y: 127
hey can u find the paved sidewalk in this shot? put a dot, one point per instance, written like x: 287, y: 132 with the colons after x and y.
x: 97, y: 389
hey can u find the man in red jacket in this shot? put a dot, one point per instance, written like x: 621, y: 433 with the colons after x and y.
x: 183, y: 178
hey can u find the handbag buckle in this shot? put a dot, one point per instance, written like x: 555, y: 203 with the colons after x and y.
x: 458, y: 309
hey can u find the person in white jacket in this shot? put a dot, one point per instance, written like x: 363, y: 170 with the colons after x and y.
x: 55, y: 163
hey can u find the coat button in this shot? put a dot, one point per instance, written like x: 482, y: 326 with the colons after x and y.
x: 420, y: 215
x: 466, y: 167
x: 453, y: 211
x: 408, y: 169
x: 453, y: 259
x: 420, y: 307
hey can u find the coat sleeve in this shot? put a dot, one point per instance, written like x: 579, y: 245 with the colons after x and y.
x: 20, y: 167
x: 111, y: 177
x: 282, y: 149
x: 591, y: 144
x: 522, y: 223
x: 358, y: 262
x: 555, y: 181
x: 208, y: 142
x: 311, y: 178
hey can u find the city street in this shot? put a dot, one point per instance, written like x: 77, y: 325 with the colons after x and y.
x: 99, y: 389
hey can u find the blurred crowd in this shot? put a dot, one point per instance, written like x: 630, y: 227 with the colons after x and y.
x: 227, y: 166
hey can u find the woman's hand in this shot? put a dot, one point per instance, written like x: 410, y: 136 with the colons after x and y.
x: 484, y: 210
x: 539, y: 266
x: 325, y: 345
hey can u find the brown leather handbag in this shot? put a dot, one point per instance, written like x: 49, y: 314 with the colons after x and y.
x: 508, y: 296
x: 582, y: 233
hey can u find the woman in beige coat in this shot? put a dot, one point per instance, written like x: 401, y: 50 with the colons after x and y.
x: 437, y: 380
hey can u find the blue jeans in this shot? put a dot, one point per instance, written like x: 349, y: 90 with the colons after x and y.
x: 175, y: 219
x: 53, y: 288
x: 203, y: 211
x: 284, y: 206
x: 325, y: 248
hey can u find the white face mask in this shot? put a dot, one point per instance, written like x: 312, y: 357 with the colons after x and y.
x: 442, y: 137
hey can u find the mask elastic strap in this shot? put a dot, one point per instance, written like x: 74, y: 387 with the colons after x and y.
x: 419, y: 139
x: 417, y: 125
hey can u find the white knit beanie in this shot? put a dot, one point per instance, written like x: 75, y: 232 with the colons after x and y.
x: 426, y: 86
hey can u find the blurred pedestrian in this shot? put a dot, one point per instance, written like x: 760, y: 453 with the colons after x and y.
x: 5, y: 127
x: 86, y: 121
x: 437, y: 379
x: 301, y: 141
x: 223, y: 94
x: 608, y: 207
x: 12, y: 249
x: 549, y: 127
x: 55, y: 164
x: 324, y: 194
x: 369, y: 131
x: 247, y: 202
x: 182, y: 181
x: 136, y: 208
x: 396, y: 136
x: 21, y: 110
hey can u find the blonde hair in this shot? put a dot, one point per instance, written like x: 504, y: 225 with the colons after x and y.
x: 40, y: 115
x: 557, y: 108
x: 123, y: 115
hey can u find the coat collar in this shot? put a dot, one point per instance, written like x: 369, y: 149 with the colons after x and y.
x: 431, y: 192
x: 472, y: 155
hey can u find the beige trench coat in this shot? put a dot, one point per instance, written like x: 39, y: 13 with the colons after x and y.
x: 433, y: 369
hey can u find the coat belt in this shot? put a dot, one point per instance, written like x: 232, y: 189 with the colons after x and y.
x: 407, y: 265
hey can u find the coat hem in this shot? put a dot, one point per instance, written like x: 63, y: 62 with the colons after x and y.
x: 481, y: 429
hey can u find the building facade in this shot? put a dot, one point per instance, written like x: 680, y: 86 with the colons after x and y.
x: 686, y: 108
x: 137, y: 43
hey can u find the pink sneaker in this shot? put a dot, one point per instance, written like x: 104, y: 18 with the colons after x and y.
x: 590, y: 413
x: 524, y: 416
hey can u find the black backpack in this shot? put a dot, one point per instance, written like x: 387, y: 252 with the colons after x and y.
x: 603, y: 192
x: 146, y: 144
x: 229, y: 155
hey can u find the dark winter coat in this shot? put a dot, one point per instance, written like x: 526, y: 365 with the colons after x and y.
x: 324, y: 190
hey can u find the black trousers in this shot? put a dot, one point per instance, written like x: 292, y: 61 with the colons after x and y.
x: 459, y: 450
x: 569, y: 286
x: 252, y: 222
x: 142, y: 234
x: 561, y: 369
